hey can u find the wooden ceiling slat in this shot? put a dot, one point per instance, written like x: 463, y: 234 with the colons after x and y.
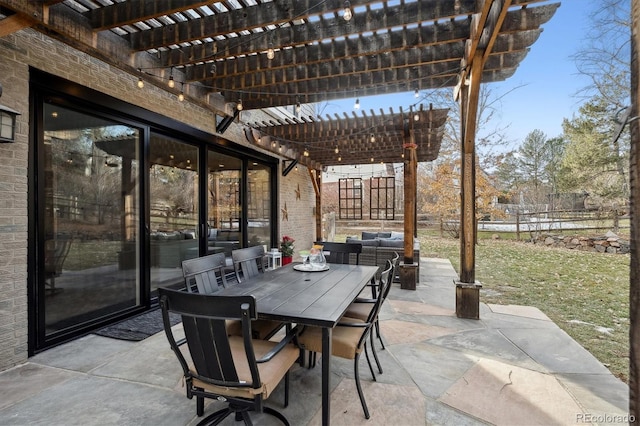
x: 387, y: 47
x: 130, y: 12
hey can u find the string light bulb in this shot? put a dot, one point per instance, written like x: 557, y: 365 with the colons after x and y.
x: 140, y: 83
x: 339, y: 158
x: 357, y: 104
x: 336, y: 150
x: 373, y: 138
x: 181, y: 95
x: 347, y: 14
x: 416, y: 94
x: 271, y: 53
x: 239, y: 106
x: 306, y: 152
x: 298, y: 107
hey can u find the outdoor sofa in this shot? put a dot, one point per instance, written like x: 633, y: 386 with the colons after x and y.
x: 378, y: 247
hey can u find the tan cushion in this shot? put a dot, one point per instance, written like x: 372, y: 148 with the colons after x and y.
x: 344, y: 342
x: 359, y: 310
x: 271, y: 373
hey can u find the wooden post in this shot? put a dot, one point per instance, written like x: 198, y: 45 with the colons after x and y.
x: 317, y: 187
x: 467, y: 290
x: 409, y: 270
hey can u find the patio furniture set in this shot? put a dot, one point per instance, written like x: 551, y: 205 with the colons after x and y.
x: 244, y: 331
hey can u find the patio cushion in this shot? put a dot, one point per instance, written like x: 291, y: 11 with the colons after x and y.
x: 271, y: 372
x: 369, y: 235
x: 365, y: 243
x: 344, y: 340
x: 389, y: 242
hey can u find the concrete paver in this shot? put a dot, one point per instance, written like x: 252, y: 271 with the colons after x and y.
x: 514, y: 366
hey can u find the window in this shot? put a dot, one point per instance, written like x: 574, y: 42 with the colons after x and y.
x: 350, y: 198
x: 382, y: 197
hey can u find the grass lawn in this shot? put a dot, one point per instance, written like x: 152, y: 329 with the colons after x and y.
x: 586, y: 294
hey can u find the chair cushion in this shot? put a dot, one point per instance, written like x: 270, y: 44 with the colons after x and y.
x: 344, y: 342
x: 271, y: 372
x: 359, y: 310
x: 369, y: 235
x: 365, y: 243
x: 388, y: 242
x: 397, y: 235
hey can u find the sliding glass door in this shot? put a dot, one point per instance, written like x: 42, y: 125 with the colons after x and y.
x: 173, y: 208
x: 224, y: 203
x: 119, y: 197
x: 89, y: 197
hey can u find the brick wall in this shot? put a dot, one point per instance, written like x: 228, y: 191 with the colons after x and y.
x: 13, y: 212
x: 27, y: 48
x: 300, y: 211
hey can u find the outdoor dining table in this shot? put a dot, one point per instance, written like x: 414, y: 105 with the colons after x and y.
x: 317, y: 298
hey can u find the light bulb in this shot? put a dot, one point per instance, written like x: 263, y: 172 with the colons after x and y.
x: 416, y: 117
x: 347, y: 15
x: 271, y: 53
x: 181, y: 97
x: 357, y: 104
x: 373, y: 138
x: 416, y: 93
x: 172, y: 82
x: 339, y: 158
x: 306, y: 152
x: 336, y: 150
x: 298, y: 107
x: 239, y: 105
x: 140, y: 83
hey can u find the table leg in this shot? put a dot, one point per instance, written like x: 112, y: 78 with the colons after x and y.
x: 326, y: 374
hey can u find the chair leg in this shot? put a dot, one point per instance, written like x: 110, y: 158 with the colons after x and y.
x: 199, y: 405
x: 377, y: 325
x: 366, y: 354
x: 375, y: 355
x: 286, y: 389
x: 277, y: 414
x: 359, y: 387
x: 312, y: 360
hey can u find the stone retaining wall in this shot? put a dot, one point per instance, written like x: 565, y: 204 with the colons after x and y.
x: 608, y: 243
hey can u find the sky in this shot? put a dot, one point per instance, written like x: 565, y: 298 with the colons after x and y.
x: 540, y: 94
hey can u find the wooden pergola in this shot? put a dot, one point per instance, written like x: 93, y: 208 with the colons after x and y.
x: 257, y: 54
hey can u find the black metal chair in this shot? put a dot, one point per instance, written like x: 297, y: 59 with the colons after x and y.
x: 207, y: 273
x: 344, y: 253
x: 237, y: 369
x: 349, y: 337
x: 361, y: 307
x: 248, y: 262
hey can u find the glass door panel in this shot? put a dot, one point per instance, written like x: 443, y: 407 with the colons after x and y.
x: 259, y: 205
x: 224, y: 208
x: 90, y: 195
x: 173, y: 203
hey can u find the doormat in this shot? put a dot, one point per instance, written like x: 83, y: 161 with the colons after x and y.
x: 139, y: 327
